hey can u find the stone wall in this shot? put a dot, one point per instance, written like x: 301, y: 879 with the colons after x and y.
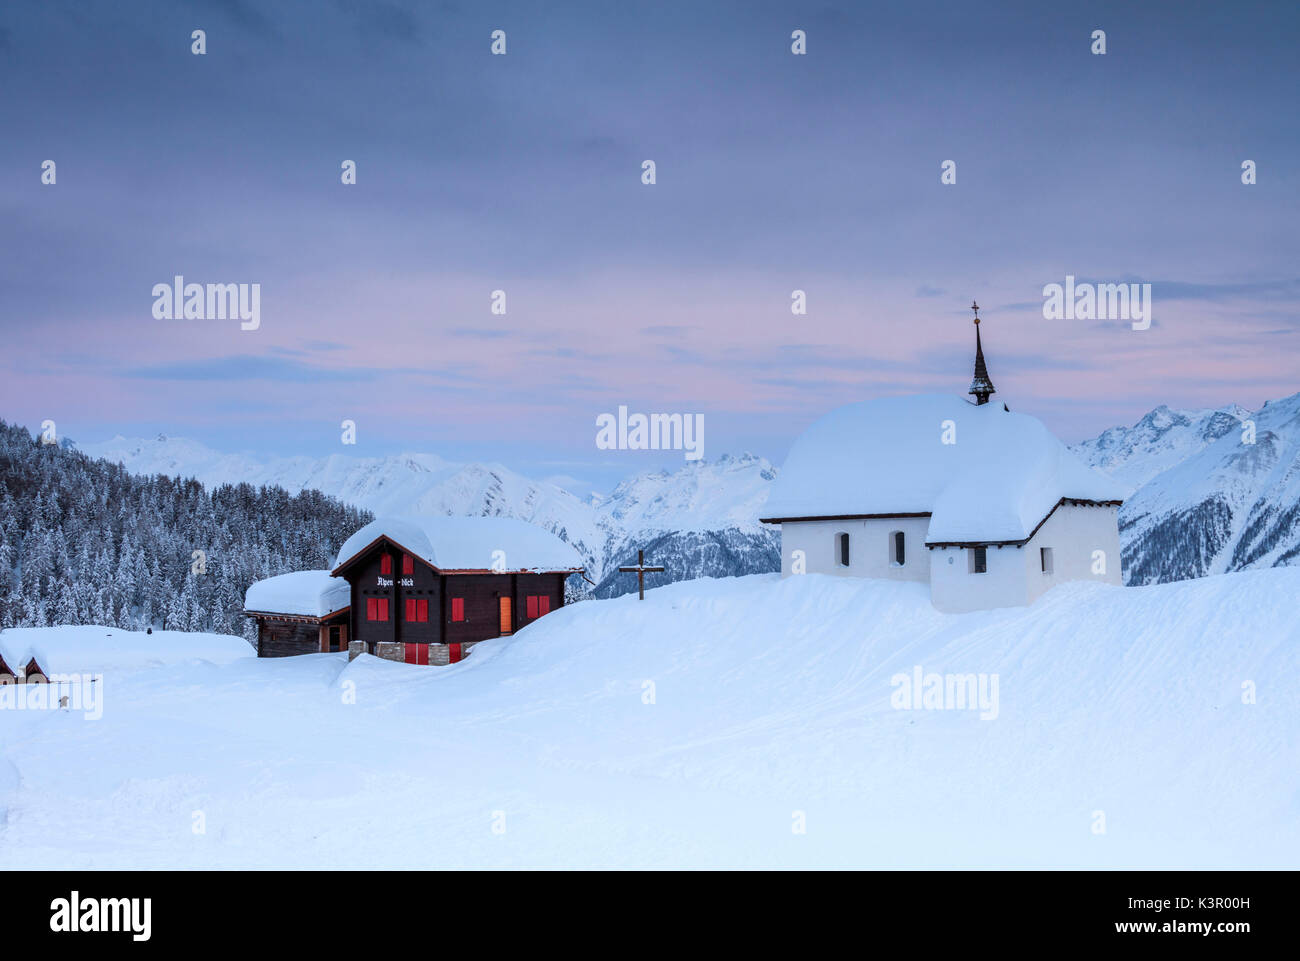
x: 439, y: 654
x: 391, y: 651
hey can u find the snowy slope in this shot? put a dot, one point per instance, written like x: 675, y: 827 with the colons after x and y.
x: 700, y: 728
x: 701, y: 503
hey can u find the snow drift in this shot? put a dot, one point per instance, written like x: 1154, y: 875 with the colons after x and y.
x: 705, y: 727
x: 90, y: 649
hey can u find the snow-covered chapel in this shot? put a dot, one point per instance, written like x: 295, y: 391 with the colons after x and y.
x: 984, y: 505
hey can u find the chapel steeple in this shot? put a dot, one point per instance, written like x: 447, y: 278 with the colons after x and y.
x: 981, y: 386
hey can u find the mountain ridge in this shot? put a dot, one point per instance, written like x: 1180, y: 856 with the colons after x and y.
x: 703, y: 508
x: 1202, y: 499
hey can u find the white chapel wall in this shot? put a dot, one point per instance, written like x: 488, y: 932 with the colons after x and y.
x: 954, y: 589
x: 869, y: 547
x: 1074, y: 533
x: 1015, y: 576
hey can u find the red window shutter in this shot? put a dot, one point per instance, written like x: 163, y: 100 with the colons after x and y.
x: 532, y: 605
x: 408, y: 564
x: 410, y: 609
x: 543, y: 604
x: 422, y: 610
x: 458, y: 608
x: 383, y: 609
x: 386, y: 564
x: 372, y: 609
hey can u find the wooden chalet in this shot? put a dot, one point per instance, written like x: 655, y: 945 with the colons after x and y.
x: 299, y: 613
x: 32, y: 669
x: 425, y: 590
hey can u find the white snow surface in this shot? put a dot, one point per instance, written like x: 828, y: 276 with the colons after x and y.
x: 90, y: 649
x: 468, y: 543
x: 693, y: 729
x: 1000, y: 478
x: 308, y: 593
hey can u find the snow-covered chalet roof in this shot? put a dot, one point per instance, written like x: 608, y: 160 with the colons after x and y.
x: 468, y: 543
x: 69, y: 649
x: 1003, y: 475
x: 305, y: 593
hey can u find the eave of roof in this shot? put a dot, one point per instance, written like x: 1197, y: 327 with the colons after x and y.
x: 1073, y: 501
x: 307, y: 618
x: 520, y: 570
x: 365, y: 551
x: 840, y: 517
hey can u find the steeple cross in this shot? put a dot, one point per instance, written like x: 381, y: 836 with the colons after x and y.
x: 975, y: 307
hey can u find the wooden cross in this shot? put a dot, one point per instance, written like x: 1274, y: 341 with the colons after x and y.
x: 641, y: 571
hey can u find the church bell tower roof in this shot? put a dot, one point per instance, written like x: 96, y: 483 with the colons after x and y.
x: 981, y: 385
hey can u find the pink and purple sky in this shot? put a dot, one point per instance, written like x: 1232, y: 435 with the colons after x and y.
x: 522, y: 172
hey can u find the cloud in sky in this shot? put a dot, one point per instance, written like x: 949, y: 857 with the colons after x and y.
x: 522, y: 173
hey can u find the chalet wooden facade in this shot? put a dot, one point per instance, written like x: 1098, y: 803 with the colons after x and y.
x: 412, y: 594
x: 26, y: 672
x: 399, y: 598
x: 299, y: 613
x: 284, y: 635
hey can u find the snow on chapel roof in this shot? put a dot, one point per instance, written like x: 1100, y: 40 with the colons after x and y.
x: 1001, y: 477
x: 468, y: 543
x: 304, y: 593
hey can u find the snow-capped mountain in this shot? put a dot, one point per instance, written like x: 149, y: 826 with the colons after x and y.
x: 701, y: 520
x: 1202, y: 500
x: 1211, y: 495
x: 1162, y: 439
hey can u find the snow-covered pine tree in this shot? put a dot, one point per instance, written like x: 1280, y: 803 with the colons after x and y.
x: 125, y: 542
